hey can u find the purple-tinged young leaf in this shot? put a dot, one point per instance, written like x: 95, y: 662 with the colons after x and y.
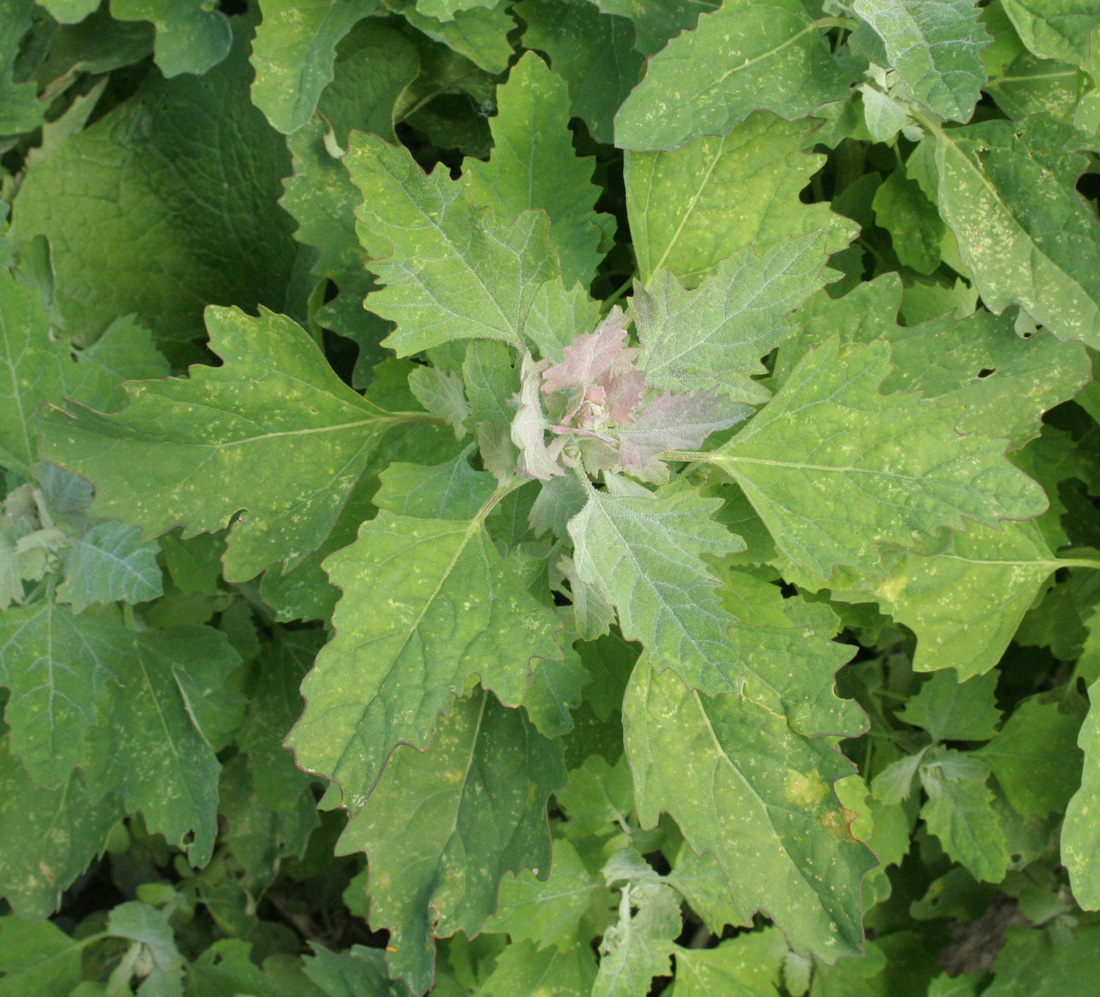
x: 529, y: 427
x: 675, y: 422
x: 592, y: 355
x: 624, y: 394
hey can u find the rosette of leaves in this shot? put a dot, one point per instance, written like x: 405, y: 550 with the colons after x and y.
x: 601, y: 415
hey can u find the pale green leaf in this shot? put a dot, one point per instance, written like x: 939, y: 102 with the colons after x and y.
x: 746, y: 56
x: 110, y: 563
x: 445, y: 10
x: 959, y: 811
x: 645, y: 556
x: 747, y: 966
x: 1006, y: 190
x: 1056, y: 29
x: 718, y: 333
x: 742, y: 785
x: 155, y: 739
x: 428, y: 605
x: 637, y: 947
x: 598, y: 797
x: 38, y: 958
x: 548, y: 912
x: 58, y: 667
x: 533, y: 165
x: 187, y: 173
x: 955, y: 711
x: 522, y: 971
x: 441, y: 393
x: 788, y: 658
x: 149, y: 927
x: 453, y: 490
x: 47, y: 838
x: 293, y: 54
x: 1081, y: 831
x: 1035, y: 757
x: 935, y: 47
x: 966, y: 603
x: 693, y: 208
x: 70, y: 11
x: 474, y: 278
x: 442, y: 828
x: 177, y: 452
x: 192, y: 36
x: 864, y: 469
x: 656, y: 21
x: 594, y: 53
x: 699, y: 879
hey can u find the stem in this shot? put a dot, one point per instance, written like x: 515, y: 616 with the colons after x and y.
x: 620, y: 291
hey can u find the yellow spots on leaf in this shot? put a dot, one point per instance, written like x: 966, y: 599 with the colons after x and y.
x: 805, y: 790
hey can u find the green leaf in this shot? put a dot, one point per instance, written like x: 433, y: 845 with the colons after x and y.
x: 478, y: 277
x: 38, y: 958
x: 700, y: 881
x: 915, y: 227
x: 479, y: 33
x: 748, y: 964
x: 293, y: 54
x: 935, y: 49
x: 742, y: 785
x: 746, y: 56
x: 717, y: 334
x: 149, y: 928
x: 955, y: 711
x: 548, y: 912
x: 443, y: 827
x: 47, y: 838
x: 177, y: 451
x: 864, y: 468
x: 1056, y: 29
x: 645, y: 556
x: 637, y: 947
x: 1081, y: 830
x: 70, y: 11
x: 157, y: 734
x: 192, y: 37
x: 352, y: 973
x: 1006, y: 190
x: 441, y: 393
x: 110, y: 563
x: 375, y: 64
x: 1035, y: 757
x: 453, y: 490
x: 58, y: 667
x: 1032, y: 964
x: 274, y: 703
x: 523, y: 971
x: 656, y: 21
x: 428, y: 605
x: 594, y: 53
x: 20, y: 108
x: 125, y: 352
x: 32, y: 369
x: 533, y: 166
x: 227, y: 968
x: 959, y: 812
x: 186, y: 172
x: 693, y: 208
x: 966, y: 603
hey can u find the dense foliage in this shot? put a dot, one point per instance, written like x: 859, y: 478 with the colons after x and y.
x: 549, y: 497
